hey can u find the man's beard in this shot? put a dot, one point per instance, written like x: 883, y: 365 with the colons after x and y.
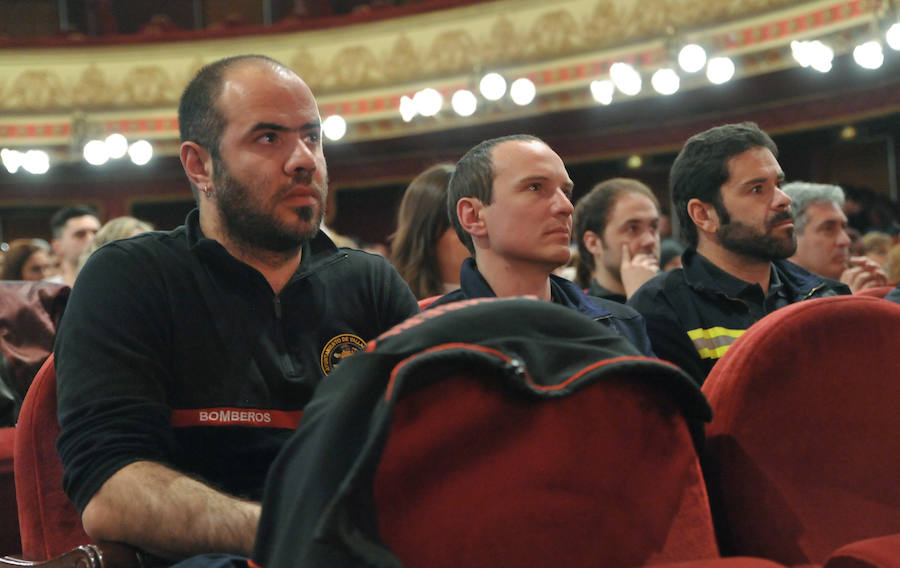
x: 247, y: 222
x: 747, y: 241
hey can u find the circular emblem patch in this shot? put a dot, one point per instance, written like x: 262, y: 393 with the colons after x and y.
x: 339, y: 347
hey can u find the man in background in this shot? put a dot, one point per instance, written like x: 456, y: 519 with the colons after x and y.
x: 823, y: 245
x: 726, y: 185
x: 510, y: 203
x: 73, y: 230
x: 617, y: 233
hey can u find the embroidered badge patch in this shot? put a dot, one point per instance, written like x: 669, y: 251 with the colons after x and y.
x: 339, y: 347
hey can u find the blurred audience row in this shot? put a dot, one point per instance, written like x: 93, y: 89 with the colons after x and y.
x: 428, y: 254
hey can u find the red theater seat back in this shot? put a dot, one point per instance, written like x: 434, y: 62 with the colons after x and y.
x: 49, y: 523
x: 608, y: 476
x: 803, y: 446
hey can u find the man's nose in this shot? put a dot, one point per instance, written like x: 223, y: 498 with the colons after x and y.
x: 843, y: 239
x: 782, y: 199
x: 302, y: 159
x: 563, y: 204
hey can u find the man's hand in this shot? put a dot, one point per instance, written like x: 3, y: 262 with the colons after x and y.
x: 169, y: 514
x: 863, y: 273
x: 635, y: 271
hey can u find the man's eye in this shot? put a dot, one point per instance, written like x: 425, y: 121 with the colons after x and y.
x: 269, y: 137
x: 534, y: 186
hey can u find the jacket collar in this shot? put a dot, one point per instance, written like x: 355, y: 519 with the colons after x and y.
x: 787, y: 278
x: 316, y: 251
x: 562, y: 291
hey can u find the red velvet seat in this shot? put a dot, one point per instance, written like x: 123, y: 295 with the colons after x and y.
x: 50, y: 524
x: 9, y: 535
x: 803, y: 447
x: 605, y: 477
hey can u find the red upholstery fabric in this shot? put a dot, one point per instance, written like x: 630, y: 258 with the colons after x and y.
x: 877, y: 292
x: 29, y: 315
x: 9, y: 521
x: 736, y: 562
x: 803, y: 447
x: 473, y: 477
x: 425, y: 302
x: 882, y: 552
x: 50, y: 524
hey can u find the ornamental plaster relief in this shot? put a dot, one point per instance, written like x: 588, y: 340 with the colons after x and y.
x: 376, y: 55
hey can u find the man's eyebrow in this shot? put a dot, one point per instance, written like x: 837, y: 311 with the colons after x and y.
x: 763, y: 179
x: 313, y: 125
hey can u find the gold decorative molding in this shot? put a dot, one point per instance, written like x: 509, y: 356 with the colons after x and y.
x: 363, y: 69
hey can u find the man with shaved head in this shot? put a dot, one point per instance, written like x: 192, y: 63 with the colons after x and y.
x: 185, y: 359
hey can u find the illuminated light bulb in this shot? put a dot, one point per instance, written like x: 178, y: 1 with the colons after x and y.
x: 464, y: 102
x: 522, y: 91
x: 692, y: 58
x: 602, y: 91
x: 140, y: 152
x: 666, y: 81
x: 334, y: 127
x: 719, y: 70
x: 626, y: 78
x: 492, y: 86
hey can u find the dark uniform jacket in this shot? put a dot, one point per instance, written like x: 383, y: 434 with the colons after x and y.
x: 173, y: 351
x: 324, y: 516
x: 619, y: 317
x: 694, y: 314
x: 894, y: 295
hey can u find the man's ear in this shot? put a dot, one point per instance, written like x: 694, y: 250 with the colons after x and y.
x: 593, y: 243
x: 469, y: 212
x: 703, y: 215
x: 197, y: 164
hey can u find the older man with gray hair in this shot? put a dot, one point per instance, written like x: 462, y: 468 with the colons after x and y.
x: 823, y: 246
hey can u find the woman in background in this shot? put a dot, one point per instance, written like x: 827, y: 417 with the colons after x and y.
x: 425, y: 249
x: 113, y: 230
x: 27, y: 259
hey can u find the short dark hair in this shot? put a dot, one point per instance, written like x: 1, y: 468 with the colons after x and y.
x: 60, y: 218
x: 421, y: 221
x: 702, y: 167
x: 199, y: 117
x: 474, y: 177
x: 592, y: 214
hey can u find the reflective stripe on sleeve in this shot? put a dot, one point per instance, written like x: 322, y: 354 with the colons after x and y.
x: 713, y: 342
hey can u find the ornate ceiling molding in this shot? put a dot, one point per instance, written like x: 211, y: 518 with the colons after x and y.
x: 55, y: 97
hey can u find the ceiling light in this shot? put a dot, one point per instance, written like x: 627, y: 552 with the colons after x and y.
x: 522, y: 91
x: 12, y: 159
x: 492, y: 86
x: 634, y: 162
x: 692, y: 58
x: 334, y: 127
x: 602, y: 91
x: 719, y: 70
x: 140, y: 152
x: 665, y: 81
x: 407, y: 108
x: 464, y: 102
x: 36, y: 162
x: 96, y: 153
x: 116, y: 146
x: 428, y: 102
x: 626, y: 78
x: 868, y: 55
x: 813, y: 54
x: 893, y: 36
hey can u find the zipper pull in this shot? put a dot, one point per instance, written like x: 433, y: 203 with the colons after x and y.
x: 277, y: 302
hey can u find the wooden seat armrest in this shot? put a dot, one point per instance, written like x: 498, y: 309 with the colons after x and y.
x: 103, y: 555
